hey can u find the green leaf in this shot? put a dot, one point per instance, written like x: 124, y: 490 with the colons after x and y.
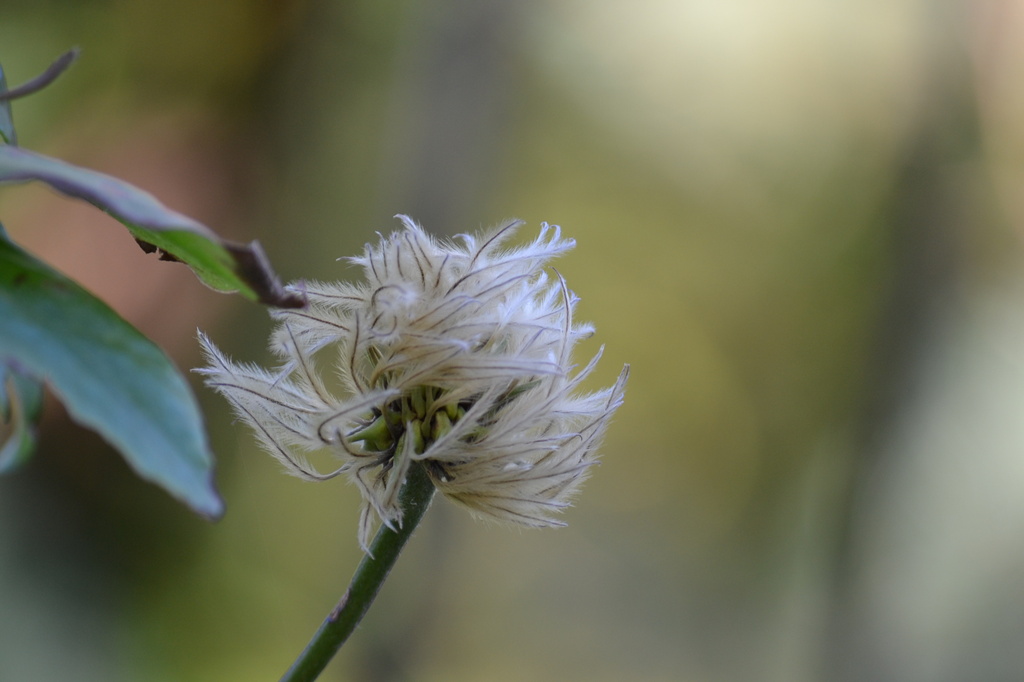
x: 6, y: 120
x: 110, y: 377
x: 21, y: 404
x: 222, y: 265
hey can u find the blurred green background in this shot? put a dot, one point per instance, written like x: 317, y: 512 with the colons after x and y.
x: 799, y: 221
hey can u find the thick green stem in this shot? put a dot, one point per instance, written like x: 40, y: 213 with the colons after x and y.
x: 369, y: 576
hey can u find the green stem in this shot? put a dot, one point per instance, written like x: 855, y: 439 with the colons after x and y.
x: 366, y: 583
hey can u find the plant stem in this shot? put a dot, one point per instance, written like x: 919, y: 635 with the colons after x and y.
x: 415, y: 496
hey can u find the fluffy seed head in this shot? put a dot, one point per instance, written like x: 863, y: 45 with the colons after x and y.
x: 453, y: 354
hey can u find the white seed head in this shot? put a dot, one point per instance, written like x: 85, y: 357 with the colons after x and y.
x: 453, y: 354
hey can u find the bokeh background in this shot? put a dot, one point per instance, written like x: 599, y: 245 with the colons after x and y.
x: 800, y: 221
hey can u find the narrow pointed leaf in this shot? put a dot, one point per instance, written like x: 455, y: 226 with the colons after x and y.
x: 220, y: 264
x: 109, y: 376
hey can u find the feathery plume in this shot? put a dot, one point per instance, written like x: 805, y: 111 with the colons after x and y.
x: 455, y: 354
